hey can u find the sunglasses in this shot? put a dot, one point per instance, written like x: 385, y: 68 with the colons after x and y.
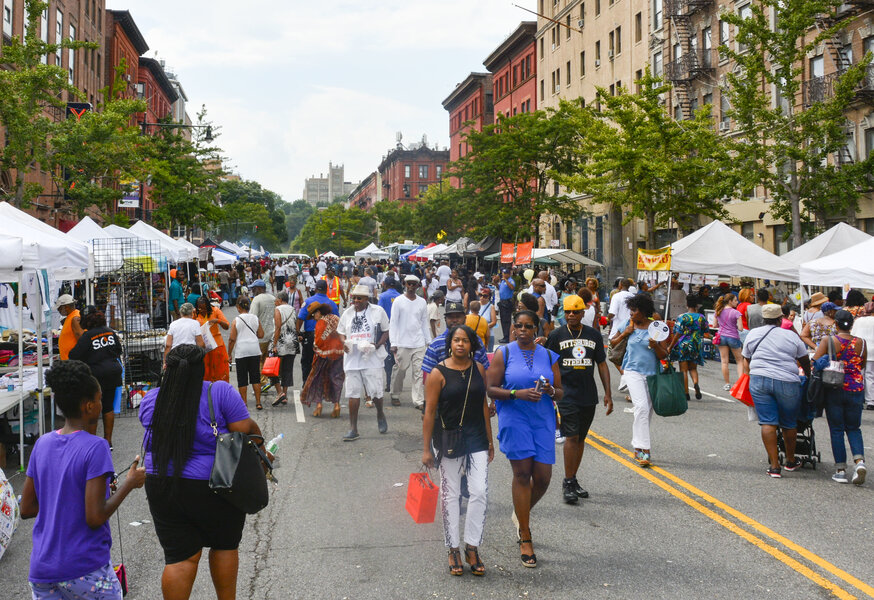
x: 575, y: 312
x: 524, y: 326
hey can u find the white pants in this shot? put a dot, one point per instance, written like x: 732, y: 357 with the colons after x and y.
x: 409, y: 359
x: 643, y: 412
x: 451, y: 470
x: 869, y: 383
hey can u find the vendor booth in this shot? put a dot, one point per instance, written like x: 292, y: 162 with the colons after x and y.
x: 372, y: 251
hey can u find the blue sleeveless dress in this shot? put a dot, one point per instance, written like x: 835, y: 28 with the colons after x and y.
x: 527, y: 429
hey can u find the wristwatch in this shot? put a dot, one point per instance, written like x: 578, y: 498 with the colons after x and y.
x: 512, y: 394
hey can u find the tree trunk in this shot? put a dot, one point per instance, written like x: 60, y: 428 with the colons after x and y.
x: 795, y: 204
x: 18, y: 201
x: 615, y: 264
x: 650, y: 230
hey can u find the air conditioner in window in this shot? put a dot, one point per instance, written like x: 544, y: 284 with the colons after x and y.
x: 610, y: 54
x: 557, y: 88
x: 553, y: 46
x: 597, y: 62
x: 724, y: 126
x: 581, y: 23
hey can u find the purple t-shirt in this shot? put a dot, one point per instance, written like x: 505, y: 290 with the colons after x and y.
x: 727, y: 320
x: 64, y: 546
x: 229, y: 408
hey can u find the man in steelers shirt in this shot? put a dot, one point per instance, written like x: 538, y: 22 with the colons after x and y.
x: 581, y: 350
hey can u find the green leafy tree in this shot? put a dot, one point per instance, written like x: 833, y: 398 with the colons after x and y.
x: 789, y: 151
x: 397, y: 221
x: 100, y: 152
x: 250, y: 223
x: 250, y: 192
x: 505, y: 181
x: 337, y: 229
x: 31, y: 109
x: 296, y: 215
x: 634, y: 156
x: 183, y: 176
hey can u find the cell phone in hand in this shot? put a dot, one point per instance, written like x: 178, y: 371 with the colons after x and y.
x: 541, y: 383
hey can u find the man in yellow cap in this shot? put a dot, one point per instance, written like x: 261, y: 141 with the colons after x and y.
x: 580, y: 349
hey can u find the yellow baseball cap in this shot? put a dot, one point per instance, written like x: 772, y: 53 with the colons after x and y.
x: 574, y: 302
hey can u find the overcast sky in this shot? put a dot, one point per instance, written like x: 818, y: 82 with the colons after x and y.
x: 296, y: 84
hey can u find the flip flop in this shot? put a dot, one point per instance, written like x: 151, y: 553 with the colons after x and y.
x: 259, y: 407
x: 279, y: 400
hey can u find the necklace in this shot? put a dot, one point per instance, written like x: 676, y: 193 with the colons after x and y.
x: 576, y: 337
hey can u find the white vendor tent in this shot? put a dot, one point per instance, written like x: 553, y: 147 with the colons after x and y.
x: 840, y: 237
x: 429, y: 253
x: 719, y: 250
x: 327, y: 254
x: 11, y: 253
x: 105, y: 258
x: 563, y: 255
x: 120, y: 232
x: 178, y: 253
x: 372, y: 251
x: 220, y: 258
x: 192, y: 249
x: 226, y: 245
x: 852, y: 266
x: 45, y: 247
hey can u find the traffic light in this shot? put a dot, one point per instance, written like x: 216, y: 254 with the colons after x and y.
x: 256, y: 229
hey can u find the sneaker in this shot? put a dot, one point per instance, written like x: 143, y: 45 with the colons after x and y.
x: 793, y: 466
x: 395, y: 401
x: 559, y: 438
x: 645, y: 460
x: 351, y: 436
x: 727, y: 387
x: 578, y: 490
x: 869, y: 407
x: 368, y: 403
x: 859, y: 473
x: 568, y: 493
x: 840, y: 477
x: 623, y: 387
x: 382, y: 424
x: 775, y: 473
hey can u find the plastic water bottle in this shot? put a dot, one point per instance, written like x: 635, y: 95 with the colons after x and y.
x: 273, y: 445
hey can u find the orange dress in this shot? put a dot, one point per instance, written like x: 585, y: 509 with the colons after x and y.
x: 67, y: 339
x: 216, y: 361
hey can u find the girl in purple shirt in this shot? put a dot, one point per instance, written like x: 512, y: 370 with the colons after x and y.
x: 729, y: 320
x: 67, y: 490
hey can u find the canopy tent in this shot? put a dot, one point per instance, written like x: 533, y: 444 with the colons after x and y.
x: 208, y: 243
x: 177, y: 251
x: 120, y: 232
x: 328, y: 254
x: 44, y: 247
x: 429, y: 253
x: 548, y: 256
x: 459, y: 246
x: 717, y: 249
x: 11, y: 253
x: 87, y: 230
x: 371, y: 251
x: 220, y: 258
x: 851, y: 266
x: 413, y: 254
x: 487, y: 245
x: 198, y: 252
x: 104, y: 257
x: 233, y: 248
x: 840, y: 237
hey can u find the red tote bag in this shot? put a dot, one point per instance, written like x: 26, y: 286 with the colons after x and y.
x: 741, y: 390
x: 271, y: 367
x: 421, y: 498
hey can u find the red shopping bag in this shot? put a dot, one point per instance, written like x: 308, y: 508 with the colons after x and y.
x: 741, y: 390
x: 271, y: 367
x: 421, y: 498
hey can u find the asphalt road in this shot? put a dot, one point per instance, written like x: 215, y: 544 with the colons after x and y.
x: 706, y: 522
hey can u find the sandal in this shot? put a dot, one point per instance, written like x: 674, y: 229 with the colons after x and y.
x: 318, y: 411
x: 455, y: 566
x: 280, y: 400
x: 336, y: 412
x: 259, y: 407
x: 528, y: 560
x: 476, y: 565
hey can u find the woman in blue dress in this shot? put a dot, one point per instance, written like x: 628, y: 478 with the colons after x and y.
x: 524, y: 381
x: 688, y: 343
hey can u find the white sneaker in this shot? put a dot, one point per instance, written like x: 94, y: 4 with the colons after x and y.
x: 727, y: 387
x: 859, y: 473
x: 559, y: 438
x: 840, y: 477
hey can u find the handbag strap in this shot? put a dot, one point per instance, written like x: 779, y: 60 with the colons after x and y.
x: 466, y: 393
x: 249, y: 327
x: 761, y: 340
x: 212, y: 422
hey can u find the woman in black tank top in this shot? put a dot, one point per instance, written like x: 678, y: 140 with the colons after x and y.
x: 457, y: 429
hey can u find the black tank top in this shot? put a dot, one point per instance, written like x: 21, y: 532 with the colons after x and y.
x: 451, y: 402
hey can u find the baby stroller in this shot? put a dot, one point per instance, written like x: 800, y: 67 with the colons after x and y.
x: 805, y: 442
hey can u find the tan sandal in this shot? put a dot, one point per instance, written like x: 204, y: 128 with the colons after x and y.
x: 318, y: 411
x: 336, y: 412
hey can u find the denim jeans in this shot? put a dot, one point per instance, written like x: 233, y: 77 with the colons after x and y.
x: 843, y: 410
x: 777, y: 402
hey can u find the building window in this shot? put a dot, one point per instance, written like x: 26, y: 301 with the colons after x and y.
x: 707, y: 99
x: 619, y: 40
x: 582, y: 64
x: 707, y: 38
x: 744, y: 12
x: 423, y: 172
x: 638, y: 75
x: 597, y: 7
x: 582, y: 22
x: 71, y: 55
x: 748, y: 231
x: 724, y: 106
x: 597, y: 53
x: 782, y: 241
x: 542, y: 90
x: 568, y: 72
x: 568, y: 23
x: 406, y: 190
x: 678, y: 112
x: 423, y: 188
x: 657, y: 64
x: 7, y: 18
x: 638, y: 27
x: 816, y: 67
x: 407, y: 171
x: 723, y: 32
x: 59, y: 34
x: 869, y: 142
x: 439, y: 171
x: 541, y: 48
x: 612, y: 90
x: 656, y: 14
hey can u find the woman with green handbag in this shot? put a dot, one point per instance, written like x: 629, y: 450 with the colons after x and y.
x: 642, y: 356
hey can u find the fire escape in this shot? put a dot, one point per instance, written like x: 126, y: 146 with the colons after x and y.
x: 692, y: 62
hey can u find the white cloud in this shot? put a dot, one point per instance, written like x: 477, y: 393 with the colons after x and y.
x: 295, y: 84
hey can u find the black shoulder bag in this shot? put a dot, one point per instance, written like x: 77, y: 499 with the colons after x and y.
x: 239, y: 473
x: 452, y: 440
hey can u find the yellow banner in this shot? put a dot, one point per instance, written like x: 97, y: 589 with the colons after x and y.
x: 654, y: 260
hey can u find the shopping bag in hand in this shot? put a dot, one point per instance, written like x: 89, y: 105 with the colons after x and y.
x: 271, y: 366
x: 741, y: 390
x: 667, y: 393
x: 421, y: 498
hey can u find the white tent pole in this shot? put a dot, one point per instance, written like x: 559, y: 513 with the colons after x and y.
x: 20, y: 372
x: 39, y: 365
x: 668, y: 300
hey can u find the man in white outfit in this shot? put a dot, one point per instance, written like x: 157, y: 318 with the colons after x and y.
x: 410, y: 334
x: 364, y: 328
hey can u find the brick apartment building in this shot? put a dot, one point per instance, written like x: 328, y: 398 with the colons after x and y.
x: 470, y: 105
x: 405, y: 173
x: 71, y: 19
x: 367, y: 193
x: 124, y: 43
x: 513, y: 66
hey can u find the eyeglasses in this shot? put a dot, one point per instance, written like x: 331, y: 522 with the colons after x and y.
x: 575, y: 312
x: 410, y: 283
x: 524, y: 326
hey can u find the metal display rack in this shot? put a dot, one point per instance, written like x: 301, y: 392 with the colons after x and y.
x: 130, y: 287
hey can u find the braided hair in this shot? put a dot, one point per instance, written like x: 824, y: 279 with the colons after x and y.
x: 177, y: 405
x: 72, y: 384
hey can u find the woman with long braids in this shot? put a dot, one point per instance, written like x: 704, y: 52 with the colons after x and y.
x: 525, y: 383
x: 216, y: 360
x: 68, y: 491
x: 180, y: 451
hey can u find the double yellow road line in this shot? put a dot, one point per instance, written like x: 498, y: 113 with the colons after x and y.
x: 767, y: 540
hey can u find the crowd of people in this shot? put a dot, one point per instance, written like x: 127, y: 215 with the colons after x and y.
x: 362, y: 330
